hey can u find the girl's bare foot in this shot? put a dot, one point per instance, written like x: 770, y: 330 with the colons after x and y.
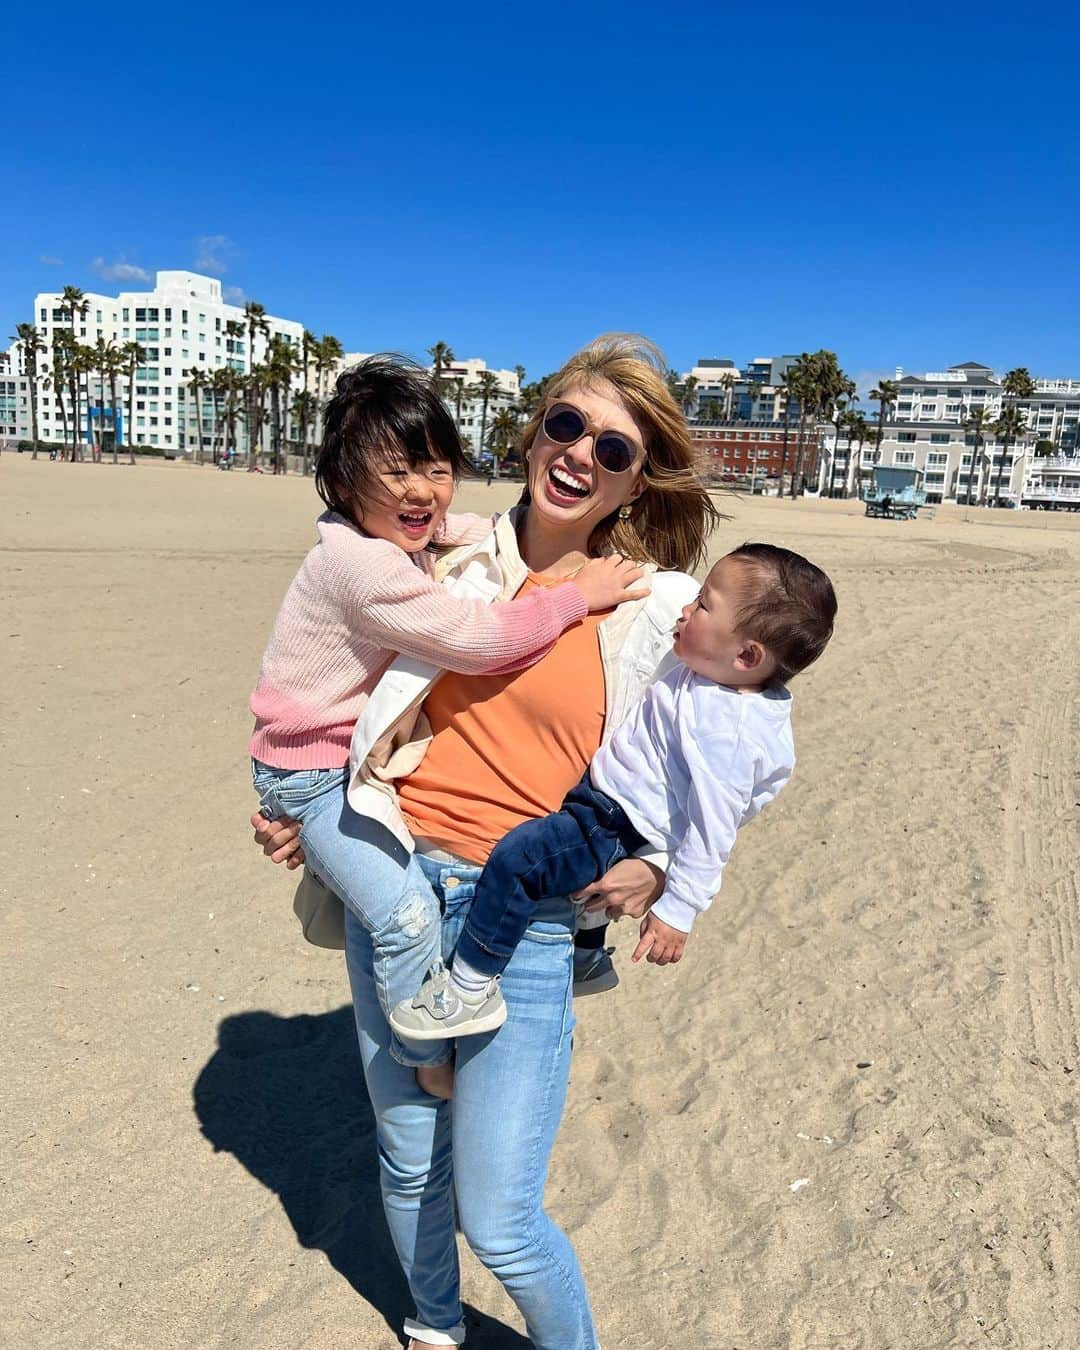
x: 437, y: 1080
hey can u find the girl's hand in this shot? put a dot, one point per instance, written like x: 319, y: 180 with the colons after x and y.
x: 661, y: 944
x: 279, y: 840
x: 607, y: 582
x: 629, y: 888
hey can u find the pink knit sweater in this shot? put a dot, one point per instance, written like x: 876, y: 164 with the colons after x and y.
x: 354, y: 604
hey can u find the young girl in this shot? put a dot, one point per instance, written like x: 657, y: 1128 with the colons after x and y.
x: 365, y: 593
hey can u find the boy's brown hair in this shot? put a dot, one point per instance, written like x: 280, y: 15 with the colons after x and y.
x: 788, y: 605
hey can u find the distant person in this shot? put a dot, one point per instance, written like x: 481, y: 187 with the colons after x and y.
x: 449, y: 764
x: 386, y: 470
x: 705, y: 750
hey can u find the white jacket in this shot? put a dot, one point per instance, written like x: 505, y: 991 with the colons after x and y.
x: 392, y: 734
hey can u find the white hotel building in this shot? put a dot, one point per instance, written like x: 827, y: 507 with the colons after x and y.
x: 926, y: 429
x: 181, y: 323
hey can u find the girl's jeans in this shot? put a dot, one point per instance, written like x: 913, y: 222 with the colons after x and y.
x: 381, y: 883
x: 491, y: 1143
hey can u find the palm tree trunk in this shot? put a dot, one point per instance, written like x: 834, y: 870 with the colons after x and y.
x: 112, y: 400
x: 1000, y: 467
x: 784, y: 443
x: 799, y: 453
x: 131, y: 413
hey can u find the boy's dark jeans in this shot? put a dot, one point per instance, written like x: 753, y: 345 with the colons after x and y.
x: 556, y: 855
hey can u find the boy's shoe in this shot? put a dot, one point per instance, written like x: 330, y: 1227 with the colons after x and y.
x: 440, y: 1012
x: 594, y: 972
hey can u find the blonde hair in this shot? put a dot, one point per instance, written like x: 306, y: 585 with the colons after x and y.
x: 671, y: 519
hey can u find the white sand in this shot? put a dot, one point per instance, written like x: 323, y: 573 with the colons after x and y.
x: 730, y: 1176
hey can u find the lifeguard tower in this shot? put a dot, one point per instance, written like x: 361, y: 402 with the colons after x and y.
x: 895, y: 492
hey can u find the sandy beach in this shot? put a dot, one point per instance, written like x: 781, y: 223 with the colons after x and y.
x: 849, y: 1120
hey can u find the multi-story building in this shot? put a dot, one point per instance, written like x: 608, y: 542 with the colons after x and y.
x: 461, y: 381
x: 183, y: 323
x: 14, y: 397
x: 929, y: 429
x: 738, y: 453
x: 756, y: 394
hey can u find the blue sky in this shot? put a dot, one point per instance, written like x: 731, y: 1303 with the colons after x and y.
x: 899, y: 185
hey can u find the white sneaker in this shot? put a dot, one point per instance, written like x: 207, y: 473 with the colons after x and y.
x: 439, y: 1012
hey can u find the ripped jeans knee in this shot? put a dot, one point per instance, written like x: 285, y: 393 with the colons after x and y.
x: 405, y: 948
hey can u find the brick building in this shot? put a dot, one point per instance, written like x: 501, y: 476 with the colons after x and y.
x: 741, y: 452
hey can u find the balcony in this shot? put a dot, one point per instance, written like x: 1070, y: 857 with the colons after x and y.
x: 1058, y: 462
x: 1042, y: 492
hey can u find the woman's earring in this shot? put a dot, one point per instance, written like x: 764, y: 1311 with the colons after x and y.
x: 625, y: 512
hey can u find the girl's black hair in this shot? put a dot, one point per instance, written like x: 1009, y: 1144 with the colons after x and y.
x: 384, y: 409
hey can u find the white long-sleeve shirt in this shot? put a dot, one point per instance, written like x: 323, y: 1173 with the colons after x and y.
x: 691, y: 764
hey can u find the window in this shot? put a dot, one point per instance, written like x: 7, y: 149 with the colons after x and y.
x: 904, y: 407
x: 939, y: 438
x: 902, y: 456
x: 929, y: 393
x: 936, y: 458
x: 904, y: 436
x: 168, y: 316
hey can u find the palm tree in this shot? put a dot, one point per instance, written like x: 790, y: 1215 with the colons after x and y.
x: 282, y: 364
x: 488, y: 386
x: 134, y: 355
x: 834, y: 391
x: 457, y: 388
x: 61, y: 347
x: 883, y: 393
x: 441, y: 356
x: 102, y: 353
x: 197, y: 381
x: 757, y: 393
x: 328, y: 354
x: 519, y: 371
x: 80, y: 368
x: 799, y: 381
x: 860, y: 429
x: 504, y: 432
x: 303, y: 409
x: 233, y: 384
x: 688, y: 394
x: 727, y: 383
x: 115, y: 368
x: 842, y: 418
x: 1009, y: 427
x: 32, y: 345
x: 976, y: 424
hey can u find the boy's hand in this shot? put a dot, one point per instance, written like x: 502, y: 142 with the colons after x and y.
x: 661, y: 944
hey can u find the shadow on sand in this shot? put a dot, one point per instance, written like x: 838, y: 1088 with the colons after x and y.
x: 286, y: 1097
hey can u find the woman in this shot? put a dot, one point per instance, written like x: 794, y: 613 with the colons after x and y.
x: 609, y: 467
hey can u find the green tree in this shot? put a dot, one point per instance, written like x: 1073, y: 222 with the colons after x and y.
x: 884, y: 393
x: 197, y: 380
x: 32, y: 346
x: 102, y: 355
x: 688, y: 394
x: 976, y: 425
x: 488, y: 387
x: 282, y: 363
x: 504, y: 433
x: 1009, y: 428
x: 115, y: 370
x: 457, y: 391
x: 1015, y: 387
x: 61, y: 348
x: 304, y: 407
x: 442, y: 357
x: 329, y: 353
x: 135, y: 356
x: 799, y: 383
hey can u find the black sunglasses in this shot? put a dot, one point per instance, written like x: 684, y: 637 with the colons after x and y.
x: 565, y: 425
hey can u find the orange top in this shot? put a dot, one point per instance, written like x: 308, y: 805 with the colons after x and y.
x: 507, y: 748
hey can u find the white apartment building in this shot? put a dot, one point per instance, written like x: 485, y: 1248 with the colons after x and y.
x: 466, y: 405
x: 182, y: 323
x: 927, y: 430
x: 14, y: 398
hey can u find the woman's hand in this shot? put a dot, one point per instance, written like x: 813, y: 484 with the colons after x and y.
x: 279, y: 840
x: 606, y: 582
x: 629, y: 888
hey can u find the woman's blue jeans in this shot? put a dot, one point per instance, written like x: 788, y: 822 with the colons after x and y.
x: 490, y: 1145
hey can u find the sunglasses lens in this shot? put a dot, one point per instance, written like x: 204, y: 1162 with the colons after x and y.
x: 613, y: 453
x: 564, y: 425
